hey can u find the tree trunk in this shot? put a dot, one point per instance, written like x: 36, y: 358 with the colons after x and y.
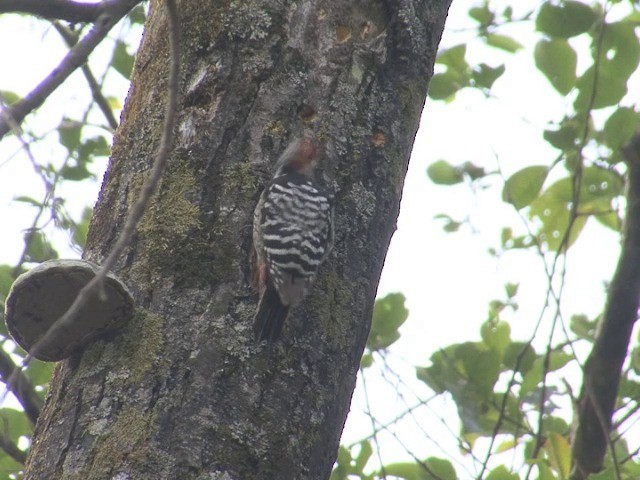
x: 183, y: 392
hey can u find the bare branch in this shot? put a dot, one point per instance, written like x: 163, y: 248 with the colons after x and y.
x: 138, y: 209
x: 61, y: 9
x: 12, y: 450
x: 18, y: 383
x: 603, y: 367
x: 112, y: 12
x: 71, y: 40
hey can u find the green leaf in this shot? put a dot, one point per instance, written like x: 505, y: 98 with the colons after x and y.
x: 558, y: 359
x: 620, y: 53
x: 344, y: 456
x: 607, y: 474
x: 485, y: 75
x: 444, y: 85
x: 501, y: 473
x: 93, y: 147
x: 503, y: 42
x: 38, y: 247
x: 557, y: 61
x: 628, y: 388
x: 583, y: 327
x: 122, y: 60
x: 9, y: 468
x: 443, y: 173
x: 29, y: 200
x: 559, y: 453
x: 343, y: 462
x: 450, y: 224
x: 603, y: 212
x: 40, y: 372
x: 482, y: 15
x: 14, y: 424
x: 511, y: 289
x: 506, y: 445
x: 598, y: 188
x: 363, y: 456
x: 389, y: 313
x: 519, y: 355
x: 137, y: 15
x: 366, y: 361
x: 510, y: 242
x: 443, y: 469
x: 533, y: 377
x: 563, y: 139
x: 436, y: 469
x: 632, y: 468
x: 566, y: 20
x: 9, y: 97
x: 610, y: 88
x: 596, y: 183
x: 544, y: 471
x: 6, y: 280
x: 472, y: 171
x: 456, y: 76
x: 496, y: 334
x: 82, y: 228
x: 404, y: 470
x: 454, y: 57
x: 75, y: 173
x: 551, y: 423
x: 523, y: 187
x: 620, y: 127
x: 481, y: 365
x: 469, y: 372
x: 69, y: 133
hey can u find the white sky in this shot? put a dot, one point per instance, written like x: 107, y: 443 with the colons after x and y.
x: 448, y: 279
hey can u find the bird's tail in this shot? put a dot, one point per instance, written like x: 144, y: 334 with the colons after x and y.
x: 270, y: 316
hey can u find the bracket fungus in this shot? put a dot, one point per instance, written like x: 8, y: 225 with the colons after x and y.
x: 41, y: 296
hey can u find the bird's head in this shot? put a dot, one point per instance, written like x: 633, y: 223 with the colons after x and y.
x: 300, y: 156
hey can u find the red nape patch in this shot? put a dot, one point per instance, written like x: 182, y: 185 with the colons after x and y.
x: 308, y: 150
x: 300, y: 163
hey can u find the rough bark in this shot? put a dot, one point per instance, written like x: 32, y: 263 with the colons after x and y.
x: 183, y: 392
x: 603, y: 368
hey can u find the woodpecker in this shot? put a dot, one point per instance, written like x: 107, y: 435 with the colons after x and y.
x: 292, y: 236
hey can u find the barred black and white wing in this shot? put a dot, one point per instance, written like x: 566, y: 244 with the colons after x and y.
x: 293, y: 234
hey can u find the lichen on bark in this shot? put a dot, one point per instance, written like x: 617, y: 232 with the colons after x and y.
x: 184, y: 387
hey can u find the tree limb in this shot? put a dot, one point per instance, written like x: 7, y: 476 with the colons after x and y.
x: 603, y: 367
x: 12, y: 450
x: 70, y: 39
x: 112, y: 13
x: 21, y: 387
x: 69, y: 10
x: 137, y: 211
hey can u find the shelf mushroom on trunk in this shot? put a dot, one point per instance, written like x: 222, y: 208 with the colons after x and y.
x: 41, y: 296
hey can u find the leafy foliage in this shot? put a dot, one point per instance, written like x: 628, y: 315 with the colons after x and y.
x: 512, y: 396
x: 66, y: 163
x: 515, y: 395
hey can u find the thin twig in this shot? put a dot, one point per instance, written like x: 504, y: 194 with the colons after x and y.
x: 422, y: 464
x: 388, y: 370
x: 604, y: 366
x: 69, y: 10
x: 12, y: 450
x: 373, y: 424
x: 49, y: 187
x: 112, y: 13
x: 18, y: 383
x: 381, y: 426
x: 96, y: 92
x: 138, y: 209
